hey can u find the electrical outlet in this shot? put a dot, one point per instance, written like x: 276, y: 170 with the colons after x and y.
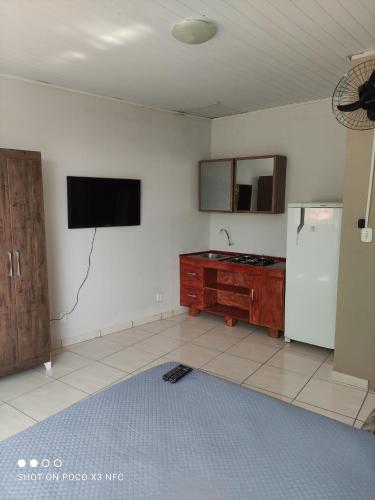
x: 159, y: 297
x: 366, y: 235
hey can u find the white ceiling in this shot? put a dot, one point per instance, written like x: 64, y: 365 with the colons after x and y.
x: 266, y: 52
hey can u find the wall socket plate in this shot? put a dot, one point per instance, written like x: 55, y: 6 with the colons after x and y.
x: 366, y: 235
x: 159, y: 297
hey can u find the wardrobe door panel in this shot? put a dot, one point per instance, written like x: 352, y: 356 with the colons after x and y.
x: 29, y: 258
x: 8, y: 331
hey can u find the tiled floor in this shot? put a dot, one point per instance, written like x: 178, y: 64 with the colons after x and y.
x: 296, y: 373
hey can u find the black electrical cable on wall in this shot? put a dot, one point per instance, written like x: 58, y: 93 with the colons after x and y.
x: 81, y: 285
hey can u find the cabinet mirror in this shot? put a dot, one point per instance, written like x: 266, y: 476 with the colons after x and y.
x: 259, y: 184
x: 254, y: 185
x: 216, y: 185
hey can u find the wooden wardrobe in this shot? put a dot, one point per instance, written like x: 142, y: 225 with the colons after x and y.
x: 24, y: 309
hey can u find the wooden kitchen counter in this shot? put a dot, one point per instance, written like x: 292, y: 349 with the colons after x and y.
x: 250, y: 293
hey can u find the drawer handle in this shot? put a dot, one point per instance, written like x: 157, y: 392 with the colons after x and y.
x: 18, y: 263
x: 191, y: 274
x: 191, y: 296
x: 10, y: 261
x: 252, y: 294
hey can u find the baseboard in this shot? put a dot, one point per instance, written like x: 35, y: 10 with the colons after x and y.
x: 116, y: 328
x: 80, y: 338
x: 174, y: 312
x: 344, y: 378
x: 58, y: 342
x: 147, y: 319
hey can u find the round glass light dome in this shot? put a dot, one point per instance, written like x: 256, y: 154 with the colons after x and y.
x: 194, y: 31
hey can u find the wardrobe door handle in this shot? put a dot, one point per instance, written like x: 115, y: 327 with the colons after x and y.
x: 18, y: 263
x: 10, y: 261
x: 252, y: 294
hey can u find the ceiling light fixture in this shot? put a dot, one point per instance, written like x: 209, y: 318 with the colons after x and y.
x: 194, y: 31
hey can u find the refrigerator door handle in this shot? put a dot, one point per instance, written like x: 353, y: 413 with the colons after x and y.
x: 301, y: 223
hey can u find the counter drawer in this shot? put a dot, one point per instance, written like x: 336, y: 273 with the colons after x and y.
x: 191, y: 276
x: 191, y: 296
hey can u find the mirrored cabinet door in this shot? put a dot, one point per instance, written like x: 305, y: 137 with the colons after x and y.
x: 259, y: 184
x: 216, y: 185
x: 254, y: 184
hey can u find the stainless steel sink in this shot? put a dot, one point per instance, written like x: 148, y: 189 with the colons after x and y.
x: 212, y: 256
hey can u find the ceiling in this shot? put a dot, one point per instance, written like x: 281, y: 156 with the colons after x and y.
x: 266, y: 53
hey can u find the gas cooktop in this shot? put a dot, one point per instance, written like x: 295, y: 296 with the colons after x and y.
x: 253, y: 260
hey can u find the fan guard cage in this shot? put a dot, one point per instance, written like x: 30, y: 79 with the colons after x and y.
x: 346, y: 92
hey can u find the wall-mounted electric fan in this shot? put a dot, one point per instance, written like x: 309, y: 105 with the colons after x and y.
x: 353, y: 101
x: 353, y: 104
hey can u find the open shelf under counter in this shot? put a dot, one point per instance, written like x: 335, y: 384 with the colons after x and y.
x: 233, y: 312
x: 229, y: 288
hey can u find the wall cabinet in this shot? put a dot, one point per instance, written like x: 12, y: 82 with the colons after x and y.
x: 254, y: 184
x: 234, y: 291
x: 216, y: 185
x: 24, y: 308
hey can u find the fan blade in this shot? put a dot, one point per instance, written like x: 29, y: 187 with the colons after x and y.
x: 371, y: 80
x: 353, y: 106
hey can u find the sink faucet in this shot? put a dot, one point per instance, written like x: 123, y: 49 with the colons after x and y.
x: 230, y: 242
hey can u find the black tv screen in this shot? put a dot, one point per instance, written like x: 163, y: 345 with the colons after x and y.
x: 101, y: 202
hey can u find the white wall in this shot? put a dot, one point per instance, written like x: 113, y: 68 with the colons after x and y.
x: 314, y: 144
x: 80, y: 134
x: 84, y: 135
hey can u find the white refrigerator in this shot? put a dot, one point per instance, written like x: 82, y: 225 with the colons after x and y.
x: 313, y: 247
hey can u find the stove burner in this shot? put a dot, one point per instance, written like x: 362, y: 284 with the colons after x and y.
x: 253, y: 260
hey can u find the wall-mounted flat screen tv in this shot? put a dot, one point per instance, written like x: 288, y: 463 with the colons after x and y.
x: 101, y: 202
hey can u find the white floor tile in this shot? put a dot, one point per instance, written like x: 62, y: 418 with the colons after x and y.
x: 128, y: 337
x: 325, y: 371
x: 12, y: 386
x: 178, y: 318
x: 96, y: 348
x: 326, y: 413
x: 232, y: 367
x: 308, y: 350
x: 185, y: 331
x: 259, y: 334
x: 217, y: 340
x: 289, y: 360
x: 157, y: 362
x: 253, y: 350
x: 277, y: 380
x: 158, y: 326
x: 204, y: 322
x: 93, y: 377
x: 193, y: 355
x: 130, y: 359
x: 197, y: 342
x: 64, y: 362
x: 338, y: 398
x: 367, y: 407
x: 48, y: 400
x: 12, y: 421
x: 159, y: 344
x: 269, y: 393
x: 240, y: 331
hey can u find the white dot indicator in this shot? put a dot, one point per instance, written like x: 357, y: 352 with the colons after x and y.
x: 21, y: 462
x: 33, y: 462
x: 57, y: 462
x: 45, y: 462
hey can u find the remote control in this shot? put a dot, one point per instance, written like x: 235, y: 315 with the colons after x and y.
x: 184, y: 370
x: 172, y: 372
